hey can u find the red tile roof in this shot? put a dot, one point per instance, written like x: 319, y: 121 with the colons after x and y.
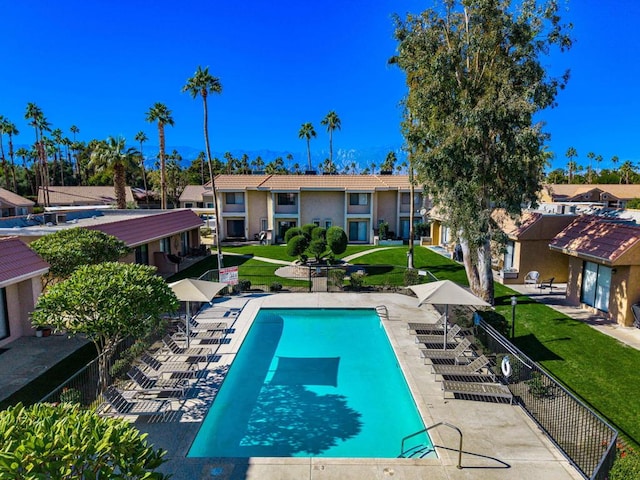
x: 597, y: 238
x: 144, y: 229
x: 18, y: 262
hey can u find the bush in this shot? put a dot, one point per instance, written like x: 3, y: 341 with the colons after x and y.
x: 411, y: 277
x: 421, y: 230
x: 205, y: 231
x: 290, y: 233
x: 297, y: 245
x: 71, y: 395
x: 319, y: 233
x: 357, y: 280
x: 307, y: 229
x: 336, y: 277
x: 244, y: 285
x: 317, y: 248
x: 275, y: 287
x: 383, y: 230
x: 66, y: 441
x: 337, y: 240
x: 626, y: 466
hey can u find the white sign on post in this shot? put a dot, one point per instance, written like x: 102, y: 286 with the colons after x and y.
x: 229, y: 275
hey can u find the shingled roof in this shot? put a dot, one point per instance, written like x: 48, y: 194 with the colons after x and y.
x: 147, y: 228
x: 81, y: 195
x: 596, y: 238
x: 7, y: 197
x: 18, y: 262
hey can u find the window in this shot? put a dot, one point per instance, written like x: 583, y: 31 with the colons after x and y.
x: 508, y: 255
x: 4, y: 316
x: 358, y: 199
x: 264, y: 225
x: 188, y: 204
x: 328, y: 223
x: 210, y: 205
x: 165, y: 245
x: 316, y: 222
x: 234, y: 198
x: 184, y: 243
x: 596, y: 285
x: 405, y: 198
x: 142, y: 254
x: 358, y: 232
x: 286, y: 199
x: 235, y: 228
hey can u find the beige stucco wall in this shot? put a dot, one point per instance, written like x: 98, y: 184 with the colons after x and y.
x: 21, y: 300
x: 256, y: 210
x: 387, y: 210
x: 323, y: 206
x: 536, y: 255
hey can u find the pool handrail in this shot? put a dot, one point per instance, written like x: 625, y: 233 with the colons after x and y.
x: 424, y: 430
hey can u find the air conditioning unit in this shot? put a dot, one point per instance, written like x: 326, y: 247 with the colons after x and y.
x: 50, y: 218
x: 61, y: 218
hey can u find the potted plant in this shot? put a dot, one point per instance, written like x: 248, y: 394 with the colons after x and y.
x: 43, y: 331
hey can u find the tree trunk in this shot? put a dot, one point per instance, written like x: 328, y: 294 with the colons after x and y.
x: 477, y: 264
x: 213, y: 182
x: 163, y: 173
x: 119, y: 182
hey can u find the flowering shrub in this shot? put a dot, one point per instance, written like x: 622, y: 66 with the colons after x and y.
x: 627, y: 464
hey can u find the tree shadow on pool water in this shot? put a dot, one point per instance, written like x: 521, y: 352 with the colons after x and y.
x: 290, y: 419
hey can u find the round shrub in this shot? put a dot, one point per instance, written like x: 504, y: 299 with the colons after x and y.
x: 297, y: 245
x: 307, y: 229
x: 319, y: 233
x: 290, y: 233
x: 336, y: 240
x: 275, y: 287
x: 411, y: 277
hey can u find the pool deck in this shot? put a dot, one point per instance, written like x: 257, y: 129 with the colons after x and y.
x: 500, y: 440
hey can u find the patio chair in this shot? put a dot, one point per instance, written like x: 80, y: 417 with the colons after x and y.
x: 532, y: 278
x: 168, y: 386
x: 124, y: 406
x: 427, y: 328
x: 170, y: 343
x: 472, y: 369
x: 452, y: 333
x: 482, y: 389
x: 456, y: 354
x: 547, y: 284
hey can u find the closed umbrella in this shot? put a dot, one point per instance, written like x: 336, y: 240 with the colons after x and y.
x: 190, y: 290
x: 445, y: 292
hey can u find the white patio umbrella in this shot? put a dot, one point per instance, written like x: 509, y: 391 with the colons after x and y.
x: 189, y: 290
x: 445, y: 292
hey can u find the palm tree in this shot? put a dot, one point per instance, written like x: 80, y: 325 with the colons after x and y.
x: 307, y: 132
x: 112, y: 155
x: 57, y: 157
x: 5, y: 165
x: 161, y: 114
x: 626, y: 170
x: 571, y: 166
x: 590, y: 156
x: 202, y: 83
x: 73, y: 129
x: 332, y: 121
x: 40, y: 125
x: 11, y: 130
x: 142, y: 137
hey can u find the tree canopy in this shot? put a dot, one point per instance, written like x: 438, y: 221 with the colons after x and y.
x: 69, y: 442
x: 475, y: 81
x: 66, y: 250
x: 107, y: 303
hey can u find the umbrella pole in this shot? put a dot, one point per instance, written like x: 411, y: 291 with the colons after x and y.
x: 446, y: 325
x: 188, y: 321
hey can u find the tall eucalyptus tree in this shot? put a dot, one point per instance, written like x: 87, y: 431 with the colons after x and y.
x: 475, y: 80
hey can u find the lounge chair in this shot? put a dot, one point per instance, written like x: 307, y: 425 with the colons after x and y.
x: 181, y: 334
x: 495, y: 390
x: 184, y: 369
x: 427, y: 328
x: 450, y: 354
x: 532, y: 278
x: 202, y: 353
x: 451, y: 336
x: 170, y: 386
x: 138, y: 407
x: 470, y: 369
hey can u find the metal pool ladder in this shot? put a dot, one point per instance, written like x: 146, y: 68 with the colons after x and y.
x: 382, y: 311
x: 420, y: 449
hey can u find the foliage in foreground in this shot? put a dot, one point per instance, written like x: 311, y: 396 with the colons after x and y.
x: 626, y: 466
x: 66, y: 442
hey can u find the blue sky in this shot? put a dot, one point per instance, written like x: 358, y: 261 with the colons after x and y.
x: 100, y: 65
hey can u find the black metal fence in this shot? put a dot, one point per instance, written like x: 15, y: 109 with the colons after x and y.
x: 587, y: 440
x: 84, y: 386
x: 320, y: 278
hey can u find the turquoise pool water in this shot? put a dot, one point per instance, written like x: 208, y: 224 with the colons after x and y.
x: 311, y: 382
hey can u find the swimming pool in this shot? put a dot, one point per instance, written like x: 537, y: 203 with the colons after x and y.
x: 312, y: 382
